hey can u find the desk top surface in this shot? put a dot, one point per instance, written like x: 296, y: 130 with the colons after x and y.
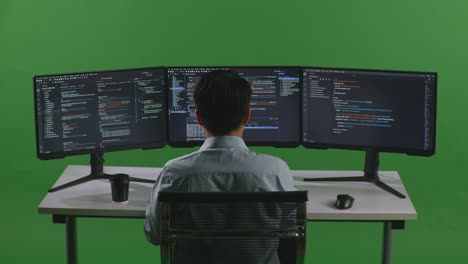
x: 371, y: 203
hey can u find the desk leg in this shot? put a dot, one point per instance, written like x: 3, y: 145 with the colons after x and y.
x: 71, y: 240
x: 387, y: 243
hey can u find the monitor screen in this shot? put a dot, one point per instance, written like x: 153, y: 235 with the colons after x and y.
x: 275, y: 105
x: 364, y: 109
x: 80, y: 113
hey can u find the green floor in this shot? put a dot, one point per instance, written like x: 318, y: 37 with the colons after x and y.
x: 40, y: 37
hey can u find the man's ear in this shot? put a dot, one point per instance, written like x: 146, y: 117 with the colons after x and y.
x: 199, y: 119
x: 246, y: 117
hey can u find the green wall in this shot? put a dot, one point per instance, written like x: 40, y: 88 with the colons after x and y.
x: 40, y: 37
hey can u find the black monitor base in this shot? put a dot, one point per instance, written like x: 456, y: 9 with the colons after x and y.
x: 97, y: 173
x: 370, y: 175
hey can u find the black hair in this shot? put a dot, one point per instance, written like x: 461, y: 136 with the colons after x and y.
x: 222, y: 98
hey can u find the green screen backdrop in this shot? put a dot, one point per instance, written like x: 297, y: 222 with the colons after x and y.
x: 41, y: 37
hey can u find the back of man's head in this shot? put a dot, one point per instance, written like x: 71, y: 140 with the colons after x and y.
x: 222, y: 99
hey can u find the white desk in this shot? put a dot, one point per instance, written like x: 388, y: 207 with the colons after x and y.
x: 93, y: 199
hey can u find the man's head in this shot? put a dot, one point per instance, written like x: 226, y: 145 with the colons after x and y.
x: 222, y: 99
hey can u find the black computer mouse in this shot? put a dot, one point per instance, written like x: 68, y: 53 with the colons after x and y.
x: 344, y: 201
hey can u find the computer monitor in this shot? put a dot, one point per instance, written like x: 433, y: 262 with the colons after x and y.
x: 372, y: 110
x: 275, y: 105
x: 97, y: 112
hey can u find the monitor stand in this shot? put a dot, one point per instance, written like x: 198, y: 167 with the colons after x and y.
x: 97, y: 172
x: 371, y: 175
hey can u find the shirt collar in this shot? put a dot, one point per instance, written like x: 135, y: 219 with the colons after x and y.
x: 224, y: 142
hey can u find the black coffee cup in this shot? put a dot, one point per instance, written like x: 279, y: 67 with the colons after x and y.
x: 119, y: 186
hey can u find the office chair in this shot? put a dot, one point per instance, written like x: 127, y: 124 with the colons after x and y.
x: 233, y: 227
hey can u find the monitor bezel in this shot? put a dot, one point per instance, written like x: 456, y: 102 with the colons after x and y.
x: 63, y: 154
x: 409, y: 151
x: 285, y: 144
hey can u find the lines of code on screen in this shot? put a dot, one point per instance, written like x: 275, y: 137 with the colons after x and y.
x: 275, y: 104
x: 368, y: 108
x: 100, y: 110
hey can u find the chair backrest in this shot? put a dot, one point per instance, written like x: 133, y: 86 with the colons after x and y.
x: 233, y: 227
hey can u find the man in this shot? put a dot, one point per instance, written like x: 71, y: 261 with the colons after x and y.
x: 223, y: 163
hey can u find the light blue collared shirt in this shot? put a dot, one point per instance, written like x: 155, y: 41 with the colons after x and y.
x: 222, y: 164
